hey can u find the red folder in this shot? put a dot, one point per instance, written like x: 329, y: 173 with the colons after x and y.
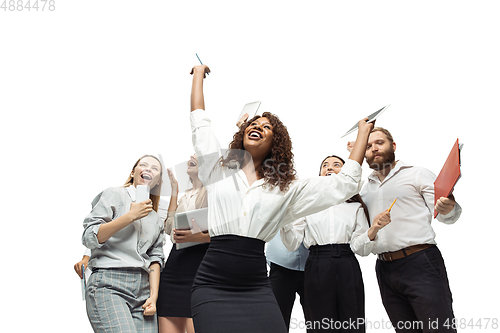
x: 449, y: 175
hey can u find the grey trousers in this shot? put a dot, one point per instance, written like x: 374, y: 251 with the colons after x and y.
x: 115, y: 298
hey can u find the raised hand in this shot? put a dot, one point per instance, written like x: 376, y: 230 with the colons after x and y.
x: 173, y: 183
x: 359, y: 148
x: 350, y: 145
x: 242, y: 120
x: 364, y: 126
x: 200, y: 69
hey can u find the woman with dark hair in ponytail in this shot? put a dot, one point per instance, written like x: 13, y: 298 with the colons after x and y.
x: 333, y: 284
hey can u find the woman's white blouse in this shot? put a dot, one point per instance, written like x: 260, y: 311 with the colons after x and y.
x: 186, y: 203
x: 342, y: 224
x: 253, y: 211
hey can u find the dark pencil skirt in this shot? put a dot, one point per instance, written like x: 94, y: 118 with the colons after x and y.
x: 176, y: 281
x: 231, y: 291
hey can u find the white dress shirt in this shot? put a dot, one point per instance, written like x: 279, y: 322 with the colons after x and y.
x: 412, y: 214
x: 256, y: 211
x: 342, y: 224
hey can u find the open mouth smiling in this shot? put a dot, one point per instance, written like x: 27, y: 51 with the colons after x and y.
x: 146, y: 176
x: 254, y: 135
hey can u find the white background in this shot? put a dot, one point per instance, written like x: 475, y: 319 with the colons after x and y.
x: 88, y: 88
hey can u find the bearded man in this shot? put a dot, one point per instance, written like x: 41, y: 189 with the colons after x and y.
x: 410, y: 269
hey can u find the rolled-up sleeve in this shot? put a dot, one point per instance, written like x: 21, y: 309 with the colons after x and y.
x: 103, y: 211
x: 292, y: 234
x: 452, y: 216
x: 360, y: 242
x: 205, y: 145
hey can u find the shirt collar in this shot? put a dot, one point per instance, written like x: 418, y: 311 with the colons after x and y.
x: 243, y: 177
x: 399, y: 165
x: 190, y: 192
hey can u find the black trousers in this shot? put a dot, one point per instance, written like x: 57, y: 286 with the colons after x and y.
x: 286, y: 283
x: 333, y: 290
x: 416, y: 293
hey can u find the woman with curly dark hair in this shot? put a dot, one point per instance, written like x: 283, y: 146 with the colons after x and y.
x: 252, y: 192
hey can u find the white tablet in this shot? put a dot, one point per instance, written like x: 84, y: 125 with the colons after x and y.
x: 251, y: 109
x: 182, y: 221
x: 371, y: 118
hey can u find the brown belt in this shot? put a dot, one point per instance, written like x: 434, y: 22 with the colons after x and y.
x: 391, y: 256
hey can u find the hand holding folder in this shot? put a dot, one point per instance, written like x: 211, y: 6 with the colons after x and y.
x: 445, y: 182
x: 445, y: 205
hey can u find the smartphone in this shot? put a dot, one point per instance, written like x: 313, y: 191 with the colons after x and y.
x: 141, y: 193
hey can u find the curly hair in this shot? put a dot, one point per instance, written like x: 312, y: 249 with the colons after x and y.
x: 278, y: 168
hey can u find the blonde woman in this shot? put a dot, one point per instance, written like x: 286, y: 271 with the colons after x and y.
x: 126, y: 242
x: 174, y: 302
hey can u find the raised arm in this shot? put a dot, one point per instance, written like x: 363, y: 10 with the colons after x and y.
x: 205, y: 142
x: 172, y: 207
x: 197, y: 98
x: 359, y: 149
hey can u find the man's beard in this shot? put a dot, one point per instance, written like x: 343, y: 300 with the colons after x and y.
x: 386, y: 161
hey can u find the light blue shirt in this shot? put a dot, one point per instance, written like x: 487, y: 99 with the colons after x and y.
x: 278, y: 254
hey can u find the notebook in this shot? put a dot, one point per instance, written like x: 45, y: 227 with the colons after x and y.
x: 449, y: 175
